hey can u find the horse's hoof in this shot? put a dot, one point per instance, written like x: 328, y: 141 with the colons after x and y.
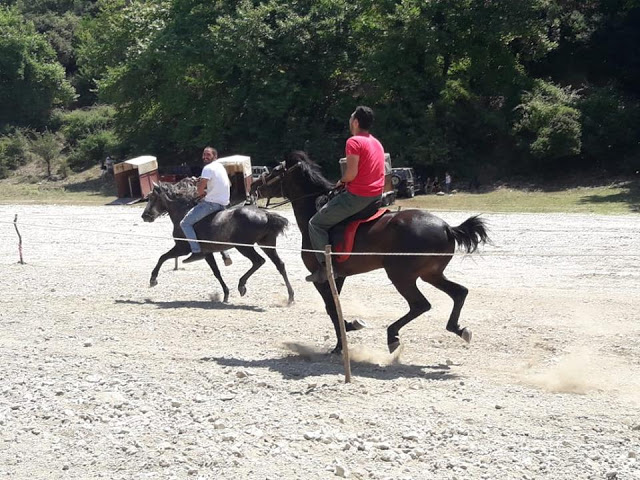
x: 393, y: 346
x: 466, y: 335
x: 336, y: 351
x: 243, y: 290
x: 359, y: 324
x: 153, y: 283
x: 290, y: 302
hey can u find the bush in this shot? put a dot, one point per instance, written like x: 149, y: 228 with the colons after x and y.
x: 77, y: 124
x: 91, y: 149
x: 548, y: 124
x: 14, y: 151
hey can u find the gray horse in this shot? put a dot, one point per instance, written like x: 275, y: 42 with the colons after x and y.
x: 246, y: 225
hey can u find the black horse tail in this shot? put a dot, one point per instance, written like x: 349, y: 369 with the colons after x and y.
x: 276, y: 223
x: 470, y: 233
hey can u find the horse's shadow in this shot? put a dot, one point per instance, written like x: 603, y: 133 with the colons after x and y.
x: 295, y: 367
x: 201, y: 304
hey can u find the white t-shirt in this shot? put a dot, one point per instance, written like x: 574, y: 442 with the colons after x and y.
x: 218, y: 183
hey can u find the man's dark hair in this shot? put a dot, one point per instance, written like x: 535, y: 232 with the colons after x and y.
x: 364, y: 115
x: 213, y: 150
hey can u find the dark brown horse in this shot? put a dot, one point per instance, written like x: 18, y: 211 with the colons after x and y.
x: 244, y: 225
x: 408, y: 231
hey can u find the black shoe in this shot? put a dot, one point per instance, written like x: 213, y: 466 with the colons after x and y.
x: 319, y: 276
x: 194, y: 257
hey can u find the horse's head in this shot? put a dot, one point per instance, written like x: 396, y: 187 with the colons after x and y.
x: 156, y: 205
x: 269, y: 185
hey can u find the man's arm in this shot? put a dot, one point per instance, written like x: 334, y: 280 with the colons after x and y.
x: 351, y: 171
x: 202, y: 187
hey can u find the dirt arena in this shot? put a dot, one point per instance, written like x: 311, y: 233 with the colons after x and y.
x: 104, y: 377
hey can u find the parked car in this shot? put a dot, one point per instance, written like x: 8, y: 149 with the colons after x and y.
x: 403, y: 181
x: 258, y: 170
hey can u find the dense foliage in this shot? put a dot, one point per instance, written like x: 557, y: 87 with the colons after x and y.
x: 485, y: 89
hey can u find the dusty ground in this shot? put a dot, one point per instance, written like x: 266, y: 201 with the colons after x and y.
x: 103, y: 377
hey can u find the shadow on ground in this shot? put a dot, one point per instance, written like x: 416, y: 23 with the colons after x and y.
x: 296, y: 367
x: 629, y: 195
x: 201, y: 304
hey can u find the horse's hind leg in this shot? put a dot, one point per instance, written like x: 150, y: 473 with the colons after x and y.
x: 175, y: 252
x: 275, y: 258
x: 256, y: 262
x: 418, y: 304
x: 216, y: 271
x: 458, y: 294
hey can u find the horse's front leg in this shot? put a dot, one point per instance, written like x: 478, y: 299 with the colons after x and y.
x: 177, y: 250
x: 325, y: 291
x: 216, y: 271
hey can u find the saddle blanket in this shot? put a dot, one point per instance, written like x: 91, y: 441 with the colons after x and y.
x: 345, y: 245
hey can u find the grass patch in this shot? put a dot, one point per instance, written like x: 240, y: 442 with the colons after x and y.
x: 85, y: 188
x: 617, y: 199
x: 89, y: 188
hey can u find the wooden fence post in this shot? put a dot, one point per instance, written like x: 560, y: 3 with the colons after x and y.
x: 336, y: 298
x: 15, y: 224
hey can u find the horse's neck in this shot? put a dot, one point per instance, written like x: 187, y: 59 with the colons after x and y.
x: 303, y: 210
x: 304, y: 207
x: 177, y: 209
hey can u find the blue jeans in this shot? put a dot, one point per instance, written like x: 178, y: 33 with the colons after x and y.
x: 192, y: 217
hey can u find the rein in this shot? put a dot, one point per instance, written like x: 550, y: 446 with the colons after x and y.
x: 286, y: 200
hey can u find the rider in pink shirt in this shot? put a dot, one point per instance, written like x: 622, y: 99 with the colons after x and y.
x: 364, y: 181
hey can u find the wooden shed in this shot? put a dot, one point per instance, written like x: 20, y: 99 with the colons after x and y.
x: 134, y: 178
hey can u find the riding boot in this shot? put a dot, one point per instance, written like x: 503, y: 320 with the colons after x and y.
x: 319, y: 276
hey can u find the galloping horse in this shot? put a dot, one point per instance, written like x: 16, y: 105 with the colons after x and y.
x: 408, y: 231
x: 245, y: 225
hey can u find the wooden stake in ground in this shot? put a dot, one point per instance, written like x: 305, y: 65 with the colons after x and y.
x: 15, y: 224
x: 336, y: 298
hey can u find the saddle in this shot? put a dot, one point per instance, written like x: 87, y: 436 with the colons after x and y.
x: 343, y: 235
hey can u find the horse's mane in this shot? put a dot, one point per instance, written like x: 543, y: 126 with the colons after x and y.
x: 184, y: 190
x: 310, y: 169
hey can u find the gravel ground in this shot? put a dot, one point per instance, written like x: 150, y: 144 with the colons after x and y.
x: 104, y: 377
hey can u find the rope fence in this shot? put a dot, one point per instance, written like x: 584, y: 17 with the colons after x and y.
x: 306, y: 250
x: 328, y: 253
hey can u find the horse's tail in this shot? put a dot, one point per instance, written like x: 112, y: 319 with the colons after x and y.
x: 470, y: 233
x: 276, y: 223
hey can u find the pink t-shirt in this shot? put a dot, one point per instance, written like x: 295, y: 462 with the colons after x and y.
x: 369, y: 181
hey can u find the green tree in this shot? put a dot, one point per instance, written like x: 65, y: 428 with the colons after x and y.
x: 47, y: 148
x: 32, y: 82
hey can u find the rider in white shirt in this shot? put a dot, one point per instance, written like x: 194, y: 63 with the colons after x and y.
x: 215, y: 181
